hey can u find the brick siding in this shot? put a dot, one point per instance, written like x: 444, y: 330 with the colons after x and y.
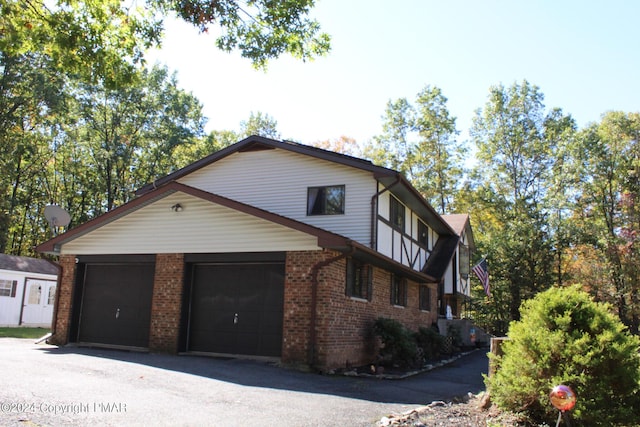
x: 344, y: 324
x: 166, y: 303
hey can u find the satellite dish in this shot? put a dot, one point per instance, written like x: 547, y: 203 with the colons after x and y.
x: 56, y: 216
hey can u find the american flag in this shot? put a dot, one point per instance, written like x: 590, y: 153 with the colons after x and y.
x: 482, y: 271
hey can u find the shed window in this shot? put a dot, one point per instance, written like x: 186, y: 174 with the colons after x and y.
x: 327, y: 200
x: 8, y: 288
x: 398, y: 290
x: 359, y: 279
x: 396, y: 214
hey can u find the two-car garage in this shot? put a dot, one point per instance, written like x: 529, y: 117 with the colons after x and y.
x: 230, y: 305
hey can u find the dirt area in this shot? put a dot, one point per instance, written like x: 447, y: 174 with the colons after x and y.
x: 467, y: 412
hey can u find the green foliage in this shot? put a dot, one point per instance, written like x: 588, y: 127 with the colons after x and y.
x: 564, y: 337
x: 402, y: 347
x: 420, y: 141
x: 606, y: 160
x: 31, y: 99
x: 127, y: 135
x: 398, y: 345
x: 260, y: 29
x: 430, y: 342
x: 82, y: 146
x: 104, y: 40
x: 259, y: 124
x: 97, y: 40
x: 512, y: 200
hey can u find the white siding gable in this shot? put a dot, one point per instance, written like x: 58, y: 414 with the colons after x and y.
x: 277, y: 181
x: 201, y: 227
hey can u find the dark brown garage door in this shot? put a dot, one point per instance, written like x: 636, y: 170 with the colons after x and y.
x: 237, y: 309
x: 116, y: 304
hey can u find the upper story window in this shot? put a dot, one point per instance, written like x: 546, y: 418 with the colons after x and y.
x: 327, y: 200
x: 359, y: 279
x: 396, y: 214
x: 8, y: 288
x: 423, y: 234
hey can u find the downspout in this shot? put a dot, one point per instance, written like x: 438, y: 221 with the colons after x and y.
x: 314, y: 302
x: 374, y: 198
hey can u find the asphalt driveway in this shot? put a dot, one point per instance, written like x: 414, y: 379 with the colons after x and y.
x: 42, y: 385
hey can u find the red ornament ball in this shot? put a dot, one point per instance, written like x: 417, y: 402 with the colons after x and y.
x: 563, y: 398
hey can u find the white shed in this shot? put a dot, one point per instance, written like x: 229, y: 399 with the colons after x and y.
x: 27, y: 291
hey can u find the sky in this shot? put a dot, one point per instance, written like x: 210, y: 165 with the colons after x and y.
x: 583, y: 55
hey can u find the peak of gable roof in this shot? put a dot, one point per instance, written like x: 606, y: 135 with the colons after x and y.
x: 325, y: 237
x: 259, y: 143
x: 27, y: 264
x: 456, y: 221
x: 388, y: 177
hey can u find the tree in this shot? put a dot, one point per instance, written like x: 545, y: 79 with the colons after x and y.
x: 260, y: 124
x: 607, y: 159
x: 517, y: 146
x: 185, y: 154
x: 261, y: 29
x: 31, y: 95
x: 438, y: 153
x: 105, y: 39
x: 93, y: 40
x: 130, y: 133
x: 392, y: 148
x: 419, y: 141
x: 342, y: 145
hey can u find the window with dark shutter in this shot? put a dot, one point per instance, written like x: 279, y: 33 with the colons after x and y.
x: 398, y: 290
x: 8, y: 288
x: 425, y: 298
x: 359, y: 279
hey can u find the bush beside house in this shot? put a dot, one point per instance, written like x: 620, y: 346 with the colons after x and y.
x: 401, y: 347
x: 565, y: 337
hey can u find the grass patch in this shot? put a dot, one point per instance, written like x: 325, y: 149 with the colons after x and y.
x: 23, y: 332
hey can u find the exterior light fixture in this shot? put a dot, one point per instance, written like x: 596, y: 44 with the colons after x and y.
x: 177, y: 207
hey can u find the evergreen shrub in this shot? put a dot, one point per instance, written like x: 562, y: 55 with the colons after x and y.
x: 398, y: 345
x: 564, y: 337
x: 430, y: 342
